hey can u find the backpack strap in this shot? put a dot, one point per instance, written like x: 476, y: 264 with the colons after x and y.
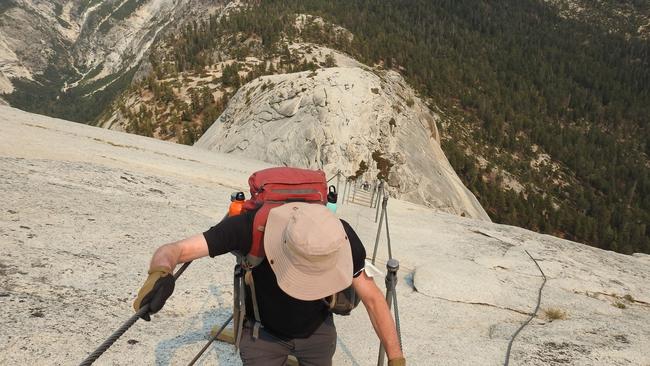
x: 256, y: 310
x: 240, y: 297
x: 256, y: 255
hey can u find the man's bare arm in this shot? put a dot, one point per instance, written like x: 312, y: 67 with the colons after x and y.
x: 169, y: 255
x: 160, y: 284
x: 379, y: 314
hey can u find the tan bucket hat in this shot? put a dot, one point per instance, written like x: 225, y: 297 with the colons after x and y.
x: 308, y: 250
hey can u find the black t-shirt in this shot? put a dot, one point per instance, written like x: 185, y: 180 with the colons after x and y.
x: 281, y: 314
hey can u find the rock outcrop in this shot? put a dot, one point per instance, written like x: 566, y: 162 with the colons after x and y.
x: 344, y: 118
x: 629, y: 18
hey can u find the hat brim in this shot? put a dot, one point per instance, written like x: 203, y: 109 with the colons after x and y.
x: 294, y: 282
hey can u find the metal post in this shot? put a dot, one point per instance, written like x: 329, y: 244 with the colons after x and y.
x: 338, y: 179
x: 350, y: 186
x: 380, y: 192
x: 345, y: 188
x: 381, y: 221
x: 393, y: 266
x: 354, y: 195
x: 391, y: 281
x: 385, y: 204
x: 372, y: 198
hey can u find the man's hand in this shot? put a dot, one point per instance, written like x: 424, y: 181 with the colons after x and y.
x: 155, y: 291
x: 160, y: 283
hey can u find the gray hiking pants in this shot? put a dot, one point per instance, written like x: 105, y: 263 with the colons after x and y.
x: 268, y: 350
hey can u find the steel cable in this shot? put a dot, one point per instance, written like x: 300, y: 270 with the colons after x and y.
x: 121, y: 330
x: 336, y: 175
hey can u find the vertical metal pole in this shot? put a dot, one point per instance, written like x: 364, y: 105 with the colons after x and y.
x: 350, y: 187
x: 381, y: 221
x: 354, y: 195
x: 338, y: 179
x: 391, y: 279
x: 372, y: 198
x: 385, y: 204
x: 345, y: 187
x: 380, y: 192
x: 393, y: 265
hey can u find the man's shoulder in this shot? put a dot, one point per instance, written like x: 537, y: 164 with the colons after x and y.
x: 231, y: 233
x: 239, y: 221
x: 348, y: 228
x: 353, y: 238
x: 345, y: 224
x: 358, y: 250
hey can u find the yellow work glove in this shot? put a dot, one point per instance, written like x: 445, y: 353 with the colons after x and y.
x: 397, y: 362
x: 155, y: 291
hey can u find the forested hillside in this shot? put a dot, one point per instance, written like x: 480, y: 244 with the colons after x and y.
x: 546, y: 118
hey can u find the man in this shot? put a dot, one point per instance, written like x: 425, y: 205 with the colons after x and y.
x: 309, y: 255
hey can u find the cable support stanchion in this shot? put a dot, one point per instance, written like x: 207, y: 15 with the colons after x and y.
x: 350, y: 184
x: 392, y: 266
x: 384, y: 203
x: 372, y: 198
x: 125, y: 326
x: 212, y: 339
x: 354, y: 195
x: 539, y: 301
x: 345, y: 188
x: 338, y: 180
x: 380, y: 194
x: 335, y: 176
x: 385, y: 209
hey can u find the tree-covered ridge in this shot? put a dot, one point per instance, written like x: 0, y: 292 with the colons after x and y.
x: 509, y: 76
x: 195, y: 71
x: 630, y: 18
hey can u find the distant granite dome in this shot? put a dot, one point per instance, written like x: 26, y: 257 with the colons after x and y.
x: 335, y: 119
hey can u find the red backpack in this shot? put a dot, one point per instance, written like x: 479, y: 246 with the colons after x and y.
x: 274, y: 187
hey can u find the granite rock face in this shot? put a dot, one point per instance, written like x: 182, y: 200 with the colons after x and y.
x: 342, y: 118
x: 84, y: 43
x: 82, y: 209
